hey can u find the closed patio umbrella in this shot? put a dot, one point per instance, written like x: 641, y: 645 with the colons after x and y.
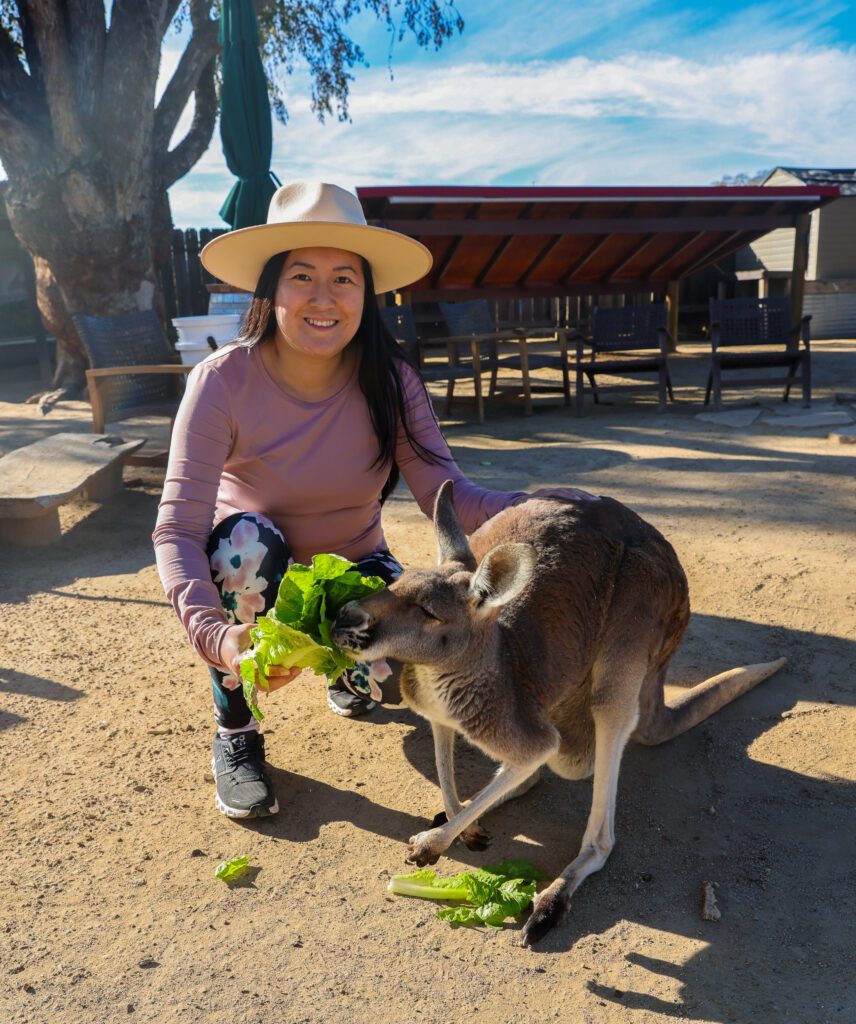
x: 245, y: 121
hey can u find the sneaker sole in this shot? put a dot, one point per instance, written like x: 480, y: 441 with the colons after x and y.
x: 347, y: 712
x: 256, y: 811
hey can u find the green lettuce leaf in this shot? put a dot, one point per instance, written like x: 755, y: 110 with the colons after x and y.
x: 229, y: 870
x: 487, y: 896
x: 296, y: 633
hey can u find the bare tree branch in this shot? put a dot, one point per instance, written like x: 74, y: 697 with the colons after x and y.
x: 21, y: 115
x: 87, y: 31
x: 48, y: 20
x: 181, y: 159
x: 201, y: 48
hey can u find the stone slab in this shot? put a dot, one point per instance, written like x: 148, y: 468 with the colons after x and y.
x: 41, y: 476
x: 730, y: 417
x: 810, y: 419
x: 796, y: 408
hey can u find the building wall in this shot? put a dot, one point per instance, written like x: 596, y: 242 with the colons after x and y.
x: 837, y: 231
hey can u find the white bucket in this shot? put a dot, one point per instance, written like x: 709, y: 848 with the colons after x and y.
x: 194, y: 331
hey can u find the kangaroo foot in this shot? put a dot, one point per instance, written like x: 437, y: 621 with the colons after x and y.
x: 474, y: 837
x: 548, y: 910
x: 426, y: 848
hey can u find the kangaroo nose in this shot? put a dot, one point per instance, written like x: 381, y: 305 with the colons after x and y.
x: 351, y: 616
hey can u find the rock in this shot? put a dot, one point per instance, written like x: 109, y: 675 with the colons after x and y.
x: 197, y: 853
x: 161, y: 730
x: 709, y: 910
x: 845, y: 435
x: 730, y: 417
x: 148, y: 962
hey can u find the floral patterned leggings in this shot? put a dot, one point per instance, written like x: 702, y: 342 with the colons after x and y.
x: 248, y: 557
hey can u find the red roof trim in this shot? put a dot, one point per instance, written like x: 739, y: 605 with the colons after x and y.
x: 477, y: 193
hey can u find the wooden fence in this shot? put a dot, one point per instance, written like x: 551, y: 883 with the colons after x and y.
x: 184, y: 280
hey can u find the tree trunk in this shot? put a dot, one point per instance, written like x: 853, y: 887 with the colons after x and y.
x: 92, y: 246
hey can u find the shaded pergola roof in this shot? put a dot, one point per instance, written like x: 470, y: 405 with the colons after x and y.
x: 503, y: 242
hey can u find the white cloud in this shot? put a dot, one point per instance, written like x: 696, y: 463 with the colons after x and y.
x: 639, y: 119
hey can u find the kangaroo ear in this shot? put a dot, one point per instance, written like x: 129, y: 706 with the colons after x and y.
x: 452, y: 545
x: 504, y: 572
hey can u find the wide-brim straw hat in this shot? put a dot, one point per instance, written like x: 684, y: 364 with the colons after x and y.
x: 311, y: 213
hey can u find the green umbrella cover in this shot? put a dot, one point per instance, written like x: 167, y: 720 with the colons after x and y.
x: 245, y: 121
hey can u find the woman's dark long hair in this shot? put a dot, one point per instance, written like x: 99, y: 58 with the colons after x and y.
x: 380, y: 365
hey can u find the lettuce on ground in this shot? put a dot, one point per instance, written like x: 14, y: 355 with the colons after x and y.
x: 486, y: 896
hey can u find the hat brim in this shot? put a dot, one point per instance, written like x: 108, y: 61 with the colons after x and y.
x: 238, y: 257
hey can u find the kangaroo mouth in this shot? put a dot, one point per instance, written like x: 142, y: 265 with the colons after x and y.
x: 350, y: 630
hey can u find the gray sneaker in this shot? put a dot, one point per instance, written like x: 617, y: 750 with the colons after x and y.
x: 243, y: 788
x: 342, y: 702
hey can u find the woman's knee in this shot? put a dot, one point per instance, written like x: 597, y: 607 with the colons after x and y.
x: 248, y: 556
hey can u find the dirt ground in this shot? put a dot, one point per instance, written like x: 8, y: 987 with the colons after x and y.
x: 110, y: 909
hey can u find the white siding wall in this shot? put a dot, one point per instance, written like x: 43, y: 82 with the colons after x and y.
x: 837, y: 255
x: 832, y: 316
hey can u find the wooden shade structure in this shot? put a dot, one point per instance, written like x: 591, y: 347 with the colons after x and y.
x: 503, y: 243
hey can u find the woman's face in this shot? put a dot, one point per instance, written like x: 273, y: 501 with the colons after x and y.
x: 319, y: 301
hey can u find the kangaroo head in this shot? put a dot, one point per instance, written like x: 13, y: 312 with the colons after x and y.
x: 436, y: 616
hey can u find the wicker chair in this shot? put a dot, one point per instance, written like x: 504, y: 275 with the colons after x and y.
x: 472, y: 321
x: 757, y: 323
x: 638, y: 337
x: 457, y: 366
x: 133, y: 373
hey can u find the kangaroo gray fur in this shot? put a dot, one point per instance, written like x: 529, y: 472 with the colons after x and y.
x: 543, y: 641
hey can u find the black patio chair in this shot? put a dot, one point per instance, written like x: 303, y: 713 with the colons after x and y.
x: 626, y: 340
x: 133, y: 373
x: 472, y: 320
x: 757, y: 323
x: 446, y: 363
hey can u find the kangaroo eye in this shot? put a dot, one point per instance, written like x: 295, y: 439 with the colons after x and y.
x: 428, y: 614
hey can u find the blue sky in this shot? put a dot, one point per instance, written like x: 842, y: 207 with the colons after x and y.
x: 552, y: 92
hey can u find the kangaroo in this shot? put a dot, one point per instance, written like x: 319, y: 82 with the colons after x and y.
x: 543, y: 641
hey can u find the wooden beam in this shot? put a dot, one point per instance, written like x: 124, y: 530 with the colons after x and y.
x: 600, y: 226
x: 800, y: 266
x: 633, y: 254
x: 724, y: 247
x: 539, y: 259
x: 578, y: 266
x: 675, y: 253
x: 547, y: 291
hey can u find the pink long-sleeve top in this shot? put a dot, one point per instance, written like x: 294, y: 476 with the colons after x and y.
x: 242, y: 444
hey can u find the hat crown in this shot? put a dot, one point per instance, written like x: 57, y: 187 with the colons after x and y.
x: 315, y: 202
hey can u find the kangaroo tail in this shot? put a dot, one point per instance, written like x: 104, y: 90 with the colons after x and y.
x: 673, y: 717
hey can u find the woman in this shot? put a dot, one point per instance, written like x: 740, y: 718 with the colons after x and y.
x: 286, y: 443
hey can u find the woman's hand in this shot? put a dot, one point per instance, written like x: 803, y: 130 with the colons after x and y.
x: 235, y: 641
x: 568, y: 493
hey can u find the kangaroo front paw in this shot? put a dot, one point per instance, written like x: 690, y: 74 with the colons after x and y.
x: 548, y: 910
x: 425, y: 848
x: 475, y: 837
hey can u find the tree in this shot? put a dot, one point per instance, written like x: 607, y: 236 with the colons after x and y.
x: 87, y: 150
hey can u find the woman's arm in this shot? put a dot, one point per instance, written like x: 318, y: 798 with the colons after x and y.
x: 201, y: 441
x: 474, y: 505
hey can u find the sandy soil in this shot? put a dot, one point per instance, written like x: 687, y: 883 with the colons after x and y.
x: 110, y: 909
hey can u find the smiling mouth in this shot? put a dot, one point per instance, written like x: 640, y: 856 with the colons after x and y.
x: 319, y: 323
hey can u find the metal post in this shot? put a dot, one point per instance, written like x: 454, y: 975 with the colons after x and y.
x: 673, y: 297
x: 803, y: 226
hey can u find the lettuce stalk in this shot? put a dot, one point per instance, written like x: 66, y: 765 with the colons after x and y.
x: 485, y: 897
